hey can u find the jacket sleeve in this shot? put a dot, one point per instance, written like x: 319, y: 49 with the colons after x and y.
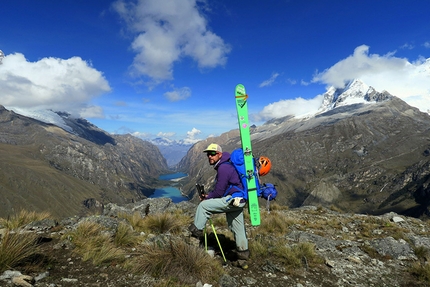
x: 222, y: 181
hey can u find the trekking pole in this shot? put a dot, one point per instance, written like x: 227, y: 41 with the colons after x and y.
x: 216, y: 236
x: 201, y: 191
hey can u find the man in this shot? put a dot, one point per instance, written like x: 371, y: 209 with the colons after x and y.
x: 220, y: 200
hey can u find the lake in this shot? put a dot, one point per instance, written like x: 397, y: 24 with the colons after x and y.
x: 170, y: 191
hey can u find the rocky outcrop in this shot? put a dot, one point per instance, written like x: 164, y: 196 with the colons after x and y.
x: 356, y: 250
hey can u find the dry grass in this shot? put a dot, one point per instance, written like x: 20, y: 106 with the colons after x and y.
x: 136, y: 220
x: 94, y: 243
x: 160, y: 223
x: 178, y: 261
x: 23, y: 218
x: 291, y: 256
x: 125, y: 236
x: 301, y: 255
x: 421, y: 271
x: 274, y: 223
x: 15, y: 248
x: 157, y: 223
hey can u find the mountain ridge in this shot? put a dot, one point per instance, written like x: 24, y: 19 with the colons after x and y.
x: 343, y: 156
x: 56, y: 170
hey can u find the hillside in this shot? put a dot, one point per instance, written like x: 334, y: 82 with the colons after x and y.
x: 48, y: 168
x: 147, y: 244
x: 366, y: 152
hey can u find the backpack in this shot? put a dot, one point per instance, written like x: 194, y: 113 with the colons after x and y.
x: 237, y: 160
x: 268, y: 191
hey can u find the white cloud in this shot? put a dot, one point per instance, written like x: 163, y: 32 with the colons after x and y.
x: 407, y: 80
x: 304, y: 83
x: 270, y: 81
x: 297, y: 107
x: 166, y: 135
x: 291, y: 81
x: 178, y: 94
x: 407, y: 46
x: 51, y: 83
x: 142, y: 135
x: 191, y: 136
x: 167, y: 31
x: 426, y: 44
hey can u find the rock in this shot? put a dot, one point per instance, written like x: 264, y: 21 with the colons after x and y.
x: 396, y: 249
x: 22, y: 281
x: 397, y: 219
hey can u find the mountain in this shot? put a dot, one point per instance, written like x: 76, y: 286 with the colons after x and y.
x: 354, y: 92
x: 364, y: 151
x: 56, y: 168
x: 172, y: 150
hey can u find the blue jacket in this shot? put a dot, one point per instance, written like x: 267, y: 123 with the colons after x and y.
x: 226, y: 176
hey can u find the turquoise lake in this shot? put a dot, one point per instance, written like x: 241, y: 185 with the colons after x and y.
x: 170, y: 191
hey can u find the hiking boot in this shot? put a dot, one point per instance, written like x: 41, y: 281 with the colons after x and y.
x: 195, y: 232
x: 242, y: 255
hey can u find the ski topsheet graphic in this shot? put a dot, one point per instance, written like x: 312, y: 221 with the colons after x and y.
x: 245, y: 136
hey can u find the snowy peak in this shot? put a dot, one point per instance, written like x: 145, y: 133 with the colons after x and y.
x: 44, y: 115
x: 354, y: 92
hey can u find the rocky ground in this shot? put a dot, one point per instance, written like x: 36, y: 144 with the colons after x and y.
x: 357, y: 250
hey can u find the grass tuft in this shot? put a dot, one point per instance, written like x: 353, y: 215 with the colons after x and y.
x: 274, y: 223
x: 94, y: 243
x: 301, y: 255
x: 160, y: 223
x: 23, y: 218
x: 15, y: 248
x: 421, y: 271
x: 177, y: 260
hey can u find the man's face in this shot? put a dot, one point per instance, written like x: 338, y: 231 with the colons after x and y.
x: 213, y: 157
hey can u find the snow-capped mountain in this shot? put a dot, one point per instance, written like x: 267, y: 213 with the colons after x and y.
x: 354, y: 92
x: 339, y: 102
x: 46, y: 116
x: 172, y: 150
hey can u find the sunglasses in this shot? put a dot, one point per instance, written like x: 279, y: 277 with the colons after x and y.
x: 211, y: 153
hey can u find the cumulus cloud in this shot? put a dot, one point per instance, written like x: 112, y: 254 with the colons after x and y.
x: 167, y: 31
x: 51, y: 83
x: 191, y: 136
x: 270, y: 81
x: 407, y: 80
x: 297, y: 107
x: 178, y: 94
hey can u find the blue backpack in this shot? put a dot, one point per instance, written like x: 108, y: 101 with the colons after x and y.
x: 268, y: 191
x: 238, y: 161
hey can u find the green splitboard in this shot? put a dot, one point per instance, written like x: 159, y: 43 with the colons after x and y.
x: 245, y: 136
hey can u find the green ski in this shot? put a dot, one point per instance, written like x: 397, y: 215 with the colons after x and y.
x: 245, y: 136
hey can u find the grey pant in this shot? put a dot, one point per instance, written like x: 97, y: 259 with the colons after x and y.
x: 234, y: 216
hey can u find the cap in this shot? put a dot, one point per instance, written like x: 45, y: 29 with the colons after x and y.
x: 213, y: 147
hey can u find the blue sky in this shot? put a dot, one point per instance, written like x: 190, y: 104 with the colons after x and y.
x: 169, y: 67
